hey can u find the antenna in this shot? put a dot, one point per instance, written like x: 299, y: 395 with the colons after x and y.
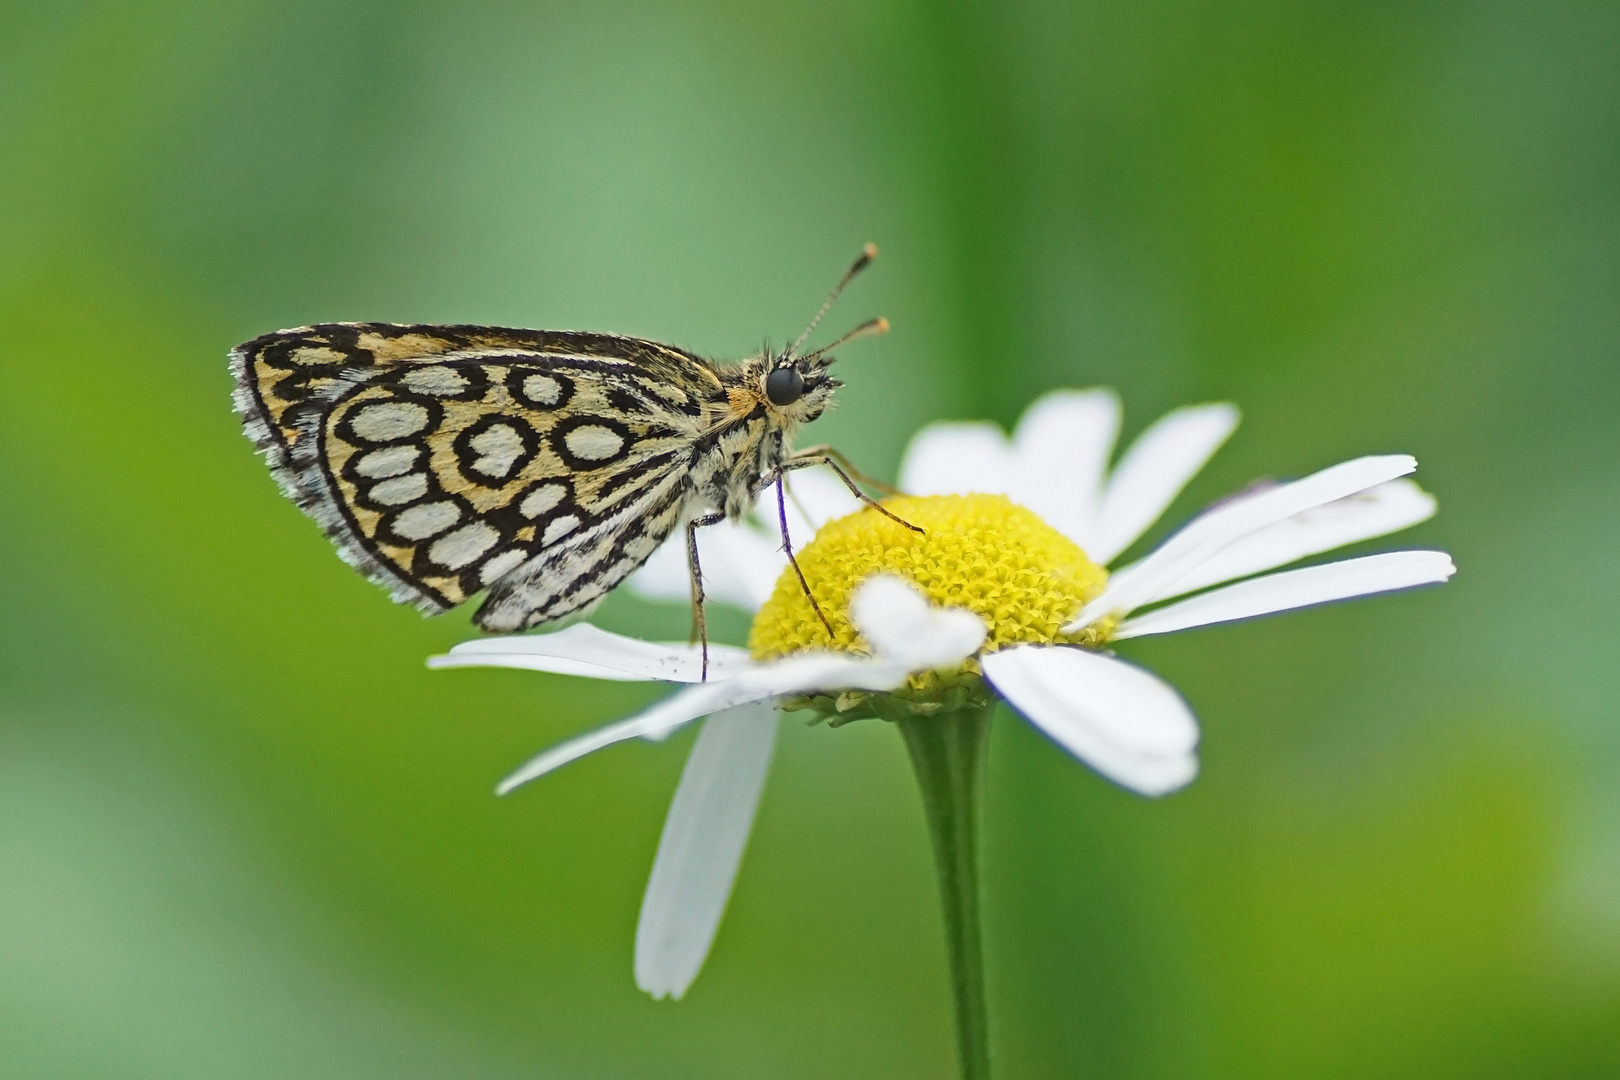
x: 868, y: 253
x: 879, y: 325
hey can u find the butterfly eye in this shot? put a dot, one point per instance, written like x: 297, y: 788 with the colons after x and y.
x: 784, y: 386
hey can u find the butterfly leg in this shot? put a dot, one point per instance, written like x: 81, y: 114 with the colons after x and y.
x: 827, y: 450
x: 787, y: 548
x: 809, y: 461
x: 699, y: 619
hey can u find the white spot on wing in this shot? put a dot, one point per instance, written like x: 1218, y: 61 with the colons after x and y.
x: 503, y: 563
x: 500, y: 445
x: 435, y: 380
x: 389, y: 461
x: 541, y: 499
x: 560, y: 528
x: 593, y: 442
x: 389, y: 421
x: 542, y: 388
x: 461, y: 547
x: 400, y: 490
x: 429, y: 519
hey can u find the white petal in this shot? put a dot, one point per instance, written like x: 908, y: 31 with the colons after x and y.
x: 1207, y: 535
x: 1296, y: 589
x: 702, y: 847
x: 1062, y: 445
x: 1153, y: 472
x: 900, y: 624
x: 1124, y: 722
x: 815, y: 497
x: 740, y: 565
x: 958, y: 458
x: 575, y: 748
x: 753, y: 682
x: 1377, y: 511
x: 585, y: 650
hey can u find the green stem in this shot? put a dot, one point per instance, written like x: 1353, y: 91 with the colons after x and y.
x: 947, y: 754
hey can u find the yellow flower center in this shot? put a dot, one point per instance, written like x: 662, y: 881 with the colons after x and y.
x: 981, y: 552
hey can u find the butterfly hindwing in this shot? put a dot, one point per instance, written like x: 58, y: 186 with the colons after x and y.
x: 444, y: 460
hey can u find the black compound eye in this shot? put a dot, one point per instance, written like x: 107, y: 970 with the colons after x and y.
x: 784, y: 386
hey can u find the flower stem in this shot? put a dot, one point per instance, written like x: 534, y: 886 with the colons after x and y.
x: 947, y: 754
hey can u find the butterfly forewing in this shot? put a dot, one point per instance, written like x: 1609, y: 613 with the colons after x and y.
x: 543, y: 466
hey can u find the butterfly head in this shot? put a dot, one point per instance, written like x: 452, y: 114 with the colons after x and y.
x: 798, y: 387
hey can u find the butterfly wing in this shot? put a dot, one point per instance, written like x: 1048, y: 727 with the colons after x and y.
x: 444, y: 460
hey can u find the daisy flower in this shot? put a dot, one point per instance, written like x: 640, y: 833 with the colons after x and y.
x: 1007, y: 594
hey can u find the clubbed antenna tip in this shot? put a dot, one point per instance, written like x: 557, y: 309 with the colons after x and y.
x: 868, y: 253
x: 879, y: 325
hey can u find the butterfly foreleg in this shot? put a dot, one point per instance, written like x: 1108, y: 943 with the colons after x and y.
x: 787, y: 549
x: 807, y: 461
x: 700, y: 622
x: 827, y: 450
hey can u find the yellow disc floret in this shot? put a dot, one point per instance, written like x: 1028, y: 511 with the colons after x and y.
x: 981, y: 552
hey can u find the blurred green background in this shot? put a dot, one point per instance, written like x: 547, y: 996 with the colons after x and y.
x: 244, y: 833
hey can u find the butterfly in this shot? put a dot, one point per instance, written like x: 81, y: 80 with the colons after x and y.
x: 539, y: 467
